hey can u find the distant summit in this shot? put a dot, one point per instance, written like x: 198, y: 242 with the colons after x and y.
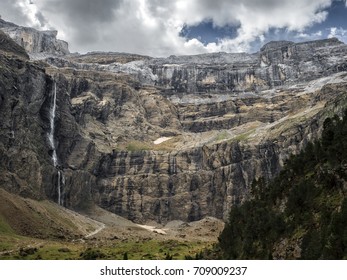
x: 36, y: 43
x: 279, y: 44
x: 9, y: 46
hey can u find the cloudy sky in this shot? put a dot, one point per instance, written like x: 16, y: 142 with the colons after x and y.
x: 165, y: 27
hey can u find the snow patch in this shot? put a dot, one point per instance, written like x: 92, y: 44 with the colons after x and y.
x: 153, y: 229
x: 161, y: 140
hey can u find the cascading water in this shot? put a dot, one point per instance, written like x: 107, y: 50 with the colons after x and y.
x: 61, y: 178
x: 51, y: 133
x: 59, y: 188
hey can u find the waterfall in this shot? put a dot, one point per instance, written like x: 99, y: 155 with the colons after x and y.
x: 51, y: 133
x: 61, y: 177
x: 59, y: 188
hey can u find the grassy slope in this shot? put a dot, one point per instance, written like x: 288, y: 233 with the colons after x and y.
x: 32, y: 229
x: 28, y: 223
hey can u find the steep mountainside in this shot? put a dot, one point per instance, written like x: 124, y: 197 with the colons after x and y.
x: 24, y: 160
x: 300, y: 214
x: 161, y: 139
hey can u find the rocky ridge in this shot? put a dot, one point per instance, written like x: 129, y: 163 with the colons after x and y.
x: 39, y: 44
x: 226, y: 119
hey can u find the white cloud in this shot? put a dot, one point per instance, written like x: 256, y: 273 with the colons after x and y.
x: 332, y: 32
x: 338, y: 33
x: 153, y: 26
x: 309, y: 36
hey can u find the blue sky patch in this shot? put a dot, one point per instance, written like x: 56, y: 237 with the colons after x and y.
x: 206, y: 33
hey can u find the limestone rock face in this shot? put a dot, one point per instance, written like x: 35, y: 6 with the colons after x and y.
x: 109, y: 127
x: 36, y: 43
x: 276, y: 64
x: 162, y: 139
x: 8, y: 46
x: 25, y: 165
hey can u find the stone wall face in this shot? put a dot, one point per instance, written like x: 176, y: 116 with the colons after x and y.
x: 226, y: 119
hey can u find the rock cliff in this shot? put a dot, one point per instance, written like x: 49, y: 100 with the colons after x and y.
x: 162, y: 138
x: 25, y: 165
x: 38, y: 44
x: 276, y: 64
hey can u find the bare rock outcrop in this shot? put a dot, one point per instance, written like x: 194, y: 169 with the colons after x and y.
x: 222, y: 120
x: 276, y: 64
x: 38, y: 44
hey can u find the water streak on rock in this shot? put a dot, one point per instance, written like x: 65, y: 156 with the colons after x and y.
x: 61, y: 177
x: 51, y: 133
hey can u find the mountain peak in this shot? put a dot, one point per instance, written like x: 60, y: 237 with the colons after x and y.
x: 273, y: 45
x: 35, y: 42
x: 7, y: 45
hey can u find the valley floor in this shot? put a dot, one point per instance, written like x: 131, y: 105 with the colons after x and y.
x: 101, y: 235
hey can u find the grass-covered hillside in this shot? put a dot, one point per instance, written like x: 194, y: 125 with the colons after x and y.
x: 302, y: 213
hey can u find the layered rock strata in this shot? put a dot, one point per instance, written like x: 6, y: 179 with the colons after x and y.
x: 164, y: 139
